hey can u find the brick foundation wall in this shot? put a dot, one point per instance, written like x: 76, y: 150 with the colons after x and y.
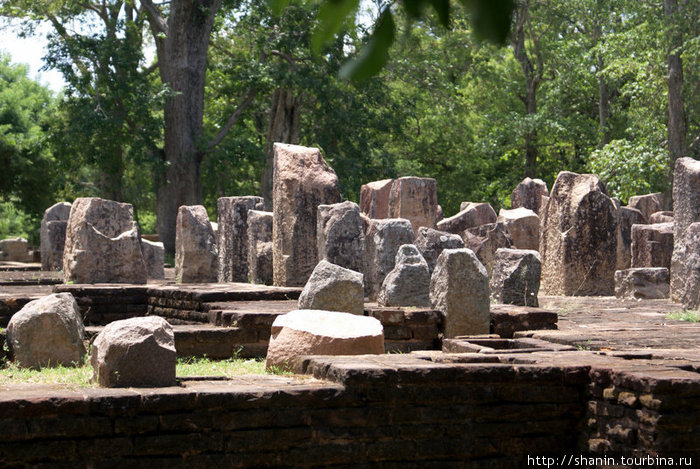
x: 366, y: 411
x: 408, y: 416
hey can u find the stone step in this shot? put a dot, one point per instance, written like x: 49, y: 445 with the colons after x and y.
x: 217, y: 343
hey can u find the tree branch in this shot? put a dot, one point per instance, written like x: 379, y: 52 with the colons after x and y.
x: 232, y: 120
x: 158, y: 24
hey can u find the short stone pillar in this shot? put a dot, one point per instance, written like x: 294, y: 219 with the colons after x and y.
x: 341, y: 237
x: 524, y: 227
x: 15, y: 250
x: 154, y: 258
x: 646, y: 283
x: 459, y: 287
x: 647, y: 204
x: 374, y: 198
x: 432, y: 242
x: 382, y: 242
x: 53, y: 235
x: 102, y: 243
x: 301, y: 181
x: 136, y: 352
x: 260, y: 247
x: 652, y: 245
x: 485, y: 240
x: 531, y: 194
x: 314, y: 332
x: 195, y: 246
x: 688, y: 287
x: 686, y: 211
x: 578, y: 241
x: 661, y: 217
x: 626, y: 218
x: 470, y: 215
x: 516, y: 277
x: 232, y: 240
x: 414, y: 199
x: 408, y: 283
x: 47, y: 332
x: 333, y: 288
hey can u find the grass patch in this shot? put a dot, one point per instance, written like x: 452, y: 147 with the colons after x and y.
x: 684, y: 315
x: 79, y: 376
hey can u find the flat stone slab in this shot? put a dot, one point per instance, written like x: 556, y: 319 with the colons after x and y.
x: 609, y: 324
x: 9, y: 266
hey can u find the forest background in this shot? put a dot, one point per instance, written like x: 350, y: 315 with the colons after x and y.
x: 604, y: 86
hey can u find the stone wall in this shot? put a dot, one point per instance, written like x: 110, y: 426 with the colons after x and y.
x: 429, y: 410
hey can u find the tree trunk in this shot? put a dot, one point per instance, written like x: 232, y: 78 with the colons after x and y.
x: 283, y: 128
x: 676, y: 112
x: 533, y: 77
x: 182, y: 58
x: 603, y: 107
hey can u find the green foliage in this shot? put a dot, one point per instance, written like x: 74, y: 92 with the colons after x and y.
x: 26, y: 160
x: 684, y: 315
x: 14, y: 222
x: 629, y: 169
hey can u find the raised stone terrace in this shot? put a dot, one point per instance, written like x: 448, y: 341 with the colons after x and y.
x: 589, y: 376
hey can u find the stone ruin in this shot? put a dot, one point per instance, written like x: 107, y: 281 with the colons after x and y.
x: 341, y: 237
x: 686, y: 211
x: 302, y: 181
x: 531, y: 194
x: 15, y: 250
x: 195, y: 246
x: 260, y: 247
x: 232, y: 239
x: 578, y: 241
x: 53, y: 235
x: 102, y: 243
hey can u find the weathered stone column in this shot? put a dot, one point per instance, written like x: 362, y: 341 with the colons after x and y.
x: 301, y: 181
x: 232, y: 242
x: 578, y: 241
x: 53, y: 235
x: 341, y: 237
x: 195, y: 246
x: 686, y: 210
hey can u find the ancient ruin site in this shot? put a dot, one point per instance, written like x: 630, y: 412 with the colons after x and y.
x: 424, y: 234
x: 392, y: 336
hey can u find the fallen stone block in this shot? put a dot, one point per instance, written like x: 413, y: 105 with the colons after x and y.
x: 136, y: 352
x: 47, y: 332
x: 333, y: 288
x: 313, y: 332
x: 642, y: 283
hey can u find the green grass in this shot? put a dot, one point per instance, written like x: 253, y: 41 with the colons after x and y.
x: 80, y: 376
x: 684, y: 315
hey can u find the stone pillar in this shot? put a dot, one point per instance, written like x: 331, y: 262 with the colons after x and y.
x: 382, y: 242
x: 53, y: 235
x: 578, y: 241
x: 686, y: 210
x: 374, y: 198
x: 154, y: 258
x: 626, y: 218
x: 459, y: 287
x: 341, y: 238
x: 415, y: 199
x: 432, y: 242
x: 195, y: 246
x: 470, y: 215
x: 232, y: 240
x: 102, y: 243
x: 260, y: 247
x: 647, y: 204
x: 524, y: 227
x: 301, y: 181
x: 516, y: 277
x: 652, y: 245
x: 529, y: 194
